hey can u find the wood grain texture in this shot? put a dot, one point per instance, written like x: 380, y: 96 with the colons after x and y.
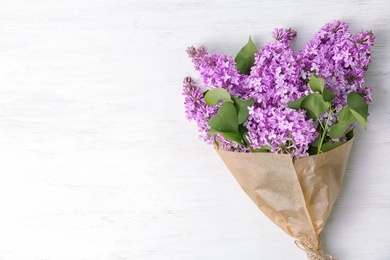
x: 98, y: 162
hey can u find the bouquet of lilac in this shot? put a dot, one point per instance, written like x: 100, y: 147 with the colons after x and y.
x: 300, y: 104
x: 283, y: 122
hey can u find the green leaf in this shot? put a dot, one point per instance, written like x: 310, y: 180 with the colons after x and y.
x: 226, y: 119
x: 337, y: 131
x: 212, y: 132
x: 359, y: 107
x: 312, y: 150
x: 360, y: 119
x: 349, y: 135
x: 266, y: 147
x: 242, y: 130
x: 260, y: 150
x: 216, y: 95
x: 317, y: 83
x: 242, y: 108
x: 345, y: 116
x: 328, y: 95
x: 233, y: 136
x: 329, y: 146
x: 314, y: 105
x: 296, y: 104
x: 317, y: 141
x: 263, y: 149
x: 345, y: 119
x: 246, y: 57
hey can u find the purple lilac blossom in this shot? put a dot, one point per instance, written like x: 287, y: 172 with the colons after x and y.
x: 196, y: 109
x: 339, y: 57
x: 274, y: 81
x: 284, y: 130
x: 217, y: 71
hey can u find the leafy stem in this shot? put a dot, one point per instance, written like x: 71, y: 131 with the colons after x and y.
x: 319, y: 102
x: 230, y: 117
x: 325, y: 129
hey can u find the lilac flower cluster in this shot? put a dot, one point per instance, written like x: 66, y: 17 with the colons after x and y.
x: 278, y: 77
x: 339, y: 57
x: 196, y: 108
x: 275, y: 77
x: 273, y: 82
x: 217, y: 71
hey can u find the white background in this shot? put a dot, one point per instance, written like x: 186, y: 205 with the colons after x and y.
x: 98, y: 162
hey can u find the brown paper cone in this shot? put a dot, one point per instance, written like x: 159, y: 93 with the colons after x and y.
x: 296, y: 195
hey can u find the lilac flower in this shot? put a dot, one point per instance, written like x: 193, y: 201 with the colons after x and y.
x: 339, y: 57
x: 196, y: 109
x: 274, y: 81
x: 217, y: 71
x: 283, y: 35
x: 284, y: 130
x: 275, y: 77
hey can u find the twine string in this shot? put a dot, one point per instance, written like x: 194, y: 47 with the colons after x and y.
x: 312, y: 254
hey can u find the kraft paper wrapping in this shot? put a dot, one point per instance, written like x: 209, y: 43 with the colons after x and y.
x: 296, y: 195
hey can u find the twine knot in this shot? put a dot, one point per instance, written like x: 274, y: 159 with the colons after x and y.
x: 312, y: 253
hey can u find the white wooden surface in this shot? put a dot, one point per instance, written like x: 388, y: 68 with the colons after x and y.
x: 98, y: 162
